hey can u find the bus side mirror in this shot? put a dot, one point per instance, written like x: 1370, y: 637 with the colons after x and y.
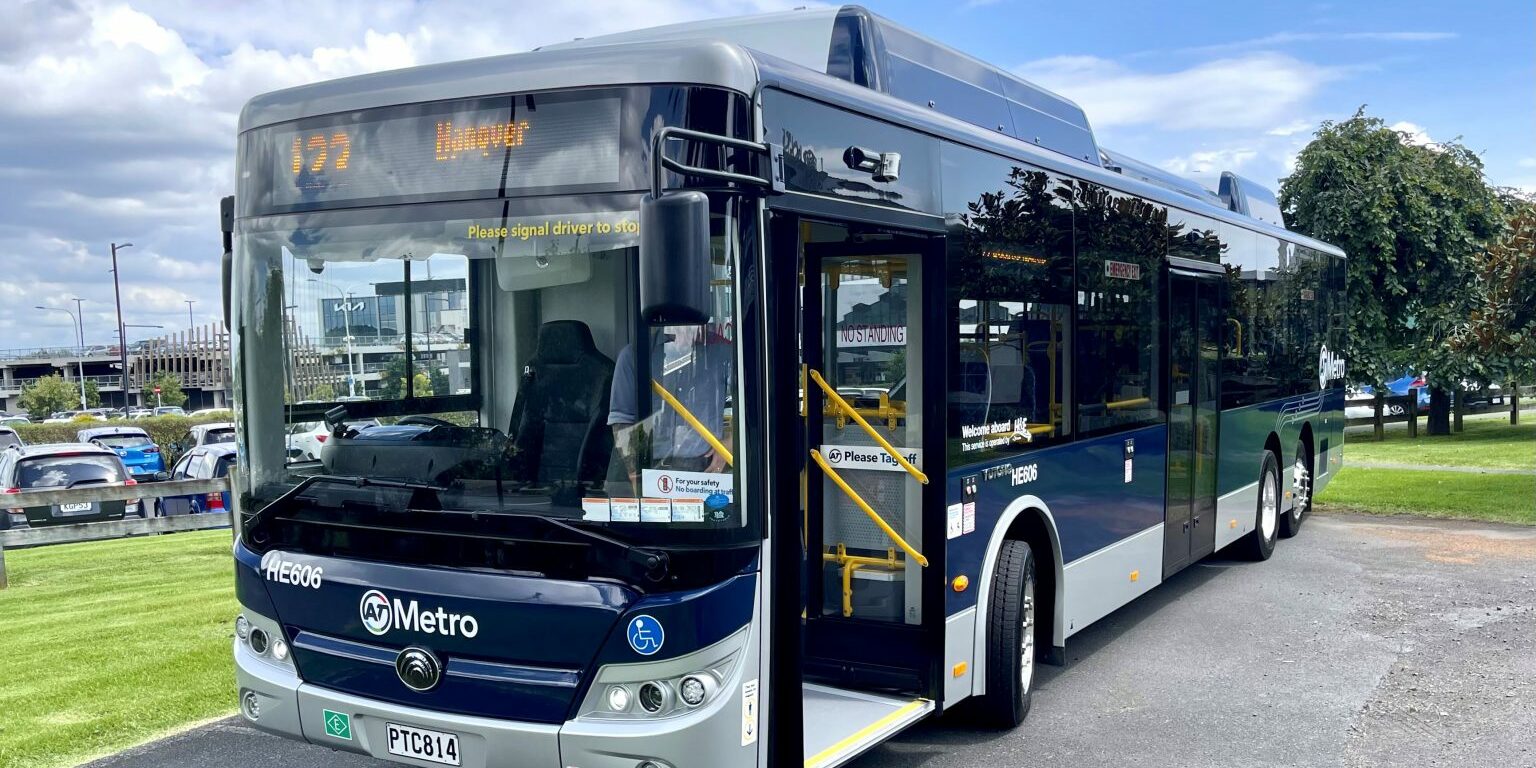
x: 675, y: 259
x: 227, y: 261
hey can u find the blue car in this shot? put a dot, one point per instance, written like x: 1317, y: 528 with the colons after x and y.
x: 203, y: 463
x: 133, y: 445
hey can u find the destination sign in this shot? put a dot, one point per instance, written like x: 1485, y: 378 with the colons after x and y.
x: 485, y: 146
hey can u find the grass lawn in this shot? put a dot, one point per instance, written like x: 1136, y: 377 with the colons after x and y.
x: 1484, y: 443
x: 1464, y: 495
x: 110, y: 643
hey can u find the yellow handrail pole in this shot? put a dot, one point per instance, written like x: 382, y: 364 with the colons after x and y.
x: 868, y: 510
x: 1131, y: 403
x: 692, y: 421
x: 854, y: 414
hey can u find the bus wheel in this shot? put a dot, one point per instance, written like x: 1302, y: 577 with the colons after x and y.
x: 1260, y: 543
x: 1301, y: 492
x: 1010, y: 637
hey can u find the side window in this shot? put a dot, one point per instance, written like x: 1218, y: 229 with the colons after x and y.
x: 1120, y: 248
x: 180, y: 472
x: 1193, y: 237
x: 1256, y: 348
x: 1010, y: 305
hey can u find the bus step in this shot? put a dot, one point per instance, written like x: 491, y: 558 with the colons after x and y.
x: 841, y: 724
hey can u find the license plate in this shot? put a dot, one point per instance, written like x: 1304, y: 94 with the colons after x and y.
x: 422, y: 744
x: 84, y: 506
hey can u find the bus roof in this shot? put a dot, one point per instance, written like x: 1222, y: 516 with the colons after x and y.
x: 798, y: 51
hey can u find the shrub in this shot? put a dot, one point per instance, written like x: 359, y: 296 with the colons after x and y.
x: 164, y: 430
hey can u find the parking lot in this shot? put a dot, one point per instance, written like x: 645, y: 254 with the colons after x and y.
x: 1364, y: 642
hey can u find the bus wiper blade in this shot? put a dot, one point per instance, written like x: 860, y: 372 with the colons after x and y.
x: 656, y: 562
x: 283, y: 501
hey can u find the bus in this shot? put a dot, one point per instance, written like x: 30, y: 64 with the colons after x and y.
x: 734, y: 393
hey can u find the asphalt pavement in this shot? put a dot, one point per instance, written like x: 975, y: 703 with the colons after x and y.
x: 1362, y: 642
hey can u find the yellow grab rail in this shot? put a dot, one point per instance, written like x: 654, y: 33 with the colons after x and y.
x: 1131, y: 403
x: 850, y: 563
x: 853, y: 413
x: 693, y: 421
x: 868, y: 510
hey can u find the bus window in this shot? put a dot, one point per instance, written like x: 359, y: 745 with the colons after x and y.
x: 1010, y: 286
x: 1120, y: 242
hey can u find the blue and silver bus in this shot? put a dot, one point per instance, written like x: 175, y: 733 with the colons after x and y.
x: 735, y: 393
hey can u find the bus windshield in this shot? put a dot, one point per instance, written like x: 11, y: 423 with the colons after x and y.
x: 492, y: 354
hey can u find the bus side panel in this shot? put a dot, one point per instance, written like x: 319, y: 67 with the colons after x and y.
x: 1085, y: 484
x: 1244, y: 432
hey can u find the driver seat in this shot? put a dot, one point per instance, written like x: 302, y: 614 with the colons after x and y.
x: 559, y: 421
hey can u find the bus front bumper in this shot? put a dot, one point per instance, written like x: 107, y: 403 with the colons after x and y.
x: 289, y: 707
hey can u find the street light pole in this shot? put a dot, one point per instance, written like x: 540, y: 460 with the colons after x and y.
x: 122, y: 337
x: 79, y: 345
x: 189, y: 303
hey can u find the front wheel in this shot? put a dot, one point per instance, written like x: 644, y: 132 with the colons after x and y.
x: 1010, y: 637
x: 1301, y: 494
x: 1259, y: 544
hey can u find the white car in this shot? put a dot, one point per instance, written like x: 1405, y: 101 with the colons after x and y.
x: 209, y: 412
x: 305, y: 438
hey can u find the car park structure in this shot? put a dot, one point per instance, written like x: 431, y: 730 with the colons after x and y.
x: 647, y: 530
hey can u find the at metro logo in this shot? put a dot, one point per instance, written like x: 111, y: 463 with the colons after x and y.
x: 380, y: 615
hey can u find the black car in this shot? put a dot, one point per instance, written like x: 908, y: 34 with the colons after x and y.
x: 56, y: 467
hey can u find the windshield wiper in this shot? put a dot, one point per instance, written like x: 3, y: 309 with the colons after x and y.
x: 655, y: 562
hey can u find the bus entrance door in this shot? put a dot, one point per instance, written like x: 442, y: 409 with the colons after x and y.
x: 1194, y: 367
x: 863, y: 489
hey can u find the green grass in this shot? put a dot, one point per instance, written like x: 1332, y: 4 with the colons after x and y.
x: 1485, y: 443
x: 1461, y: 495
x: 107, y: 644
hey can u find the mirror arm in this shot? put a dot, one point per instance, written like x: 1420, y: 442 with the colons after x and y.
x: 773, y: 184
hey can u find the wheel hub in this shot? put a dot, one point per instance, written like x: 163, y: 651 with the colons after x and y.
x: 1269, y: 505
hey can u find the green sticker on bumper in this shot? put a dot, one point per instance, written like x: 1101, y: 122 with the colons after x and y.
x: 338, y: 724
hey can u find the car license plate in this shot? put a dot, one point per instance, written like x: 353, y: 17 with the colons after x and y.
x: 84, y: 506
x: 422, y: 744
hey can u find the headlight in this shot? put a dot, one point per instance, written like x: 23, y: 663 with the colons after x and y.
x: 264, y: 638
x: 242, y: 627
x: 637, y: 691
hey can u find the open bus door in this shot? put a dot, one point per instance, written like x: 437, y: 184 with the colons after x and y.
x: 872, y: 640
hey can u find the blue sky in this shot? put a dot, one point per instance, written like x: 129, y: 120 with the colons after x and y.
x: 117, y: 117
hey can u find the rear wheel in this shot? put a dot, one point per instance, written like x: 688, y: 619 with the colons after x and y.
x: 1301, y: 493
x: 1010, y: 638
x: 1259, y: 544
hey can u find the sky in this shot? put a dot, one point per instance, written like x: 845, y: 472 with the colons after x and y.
x: 117, y: 119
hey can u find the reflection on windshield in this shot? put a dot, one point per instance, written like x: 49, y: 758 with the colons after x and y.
x: 498, y: 358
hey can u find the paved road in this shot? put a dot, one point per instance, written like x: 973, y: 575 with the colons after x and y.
x: 1364, y: 642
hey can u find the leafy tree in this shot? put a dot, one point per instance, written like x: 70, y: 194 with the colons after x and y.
x: 1500, y: 331
x: 170, y: 389
x: 92, y: 395
x: 1413, y: 220
x: 49, y: 395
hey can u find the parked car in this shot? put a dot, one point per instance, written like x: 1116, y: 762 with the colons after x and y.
x: 57, y: 466
x: 8, y: 420
x: 209, y: 412
x: 9, y: 438
x: 306, y: 437
x: 199, y: 435
x: 140, y: 413
x: 204, y: 463
x: 169, y: 410
x: 133, y: 445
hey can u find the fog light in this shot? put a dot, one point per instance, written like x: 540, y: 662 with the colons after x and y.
x: 242, y: 627
x: 251, y: 705
x: 618, y: 698
x: 279, y: 650
x: 259, y: 641
x: 692, y: 690
x: 652, y: 697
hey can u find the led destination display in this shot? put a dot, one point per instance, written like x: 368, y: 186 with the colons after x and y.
x: 487, y: 146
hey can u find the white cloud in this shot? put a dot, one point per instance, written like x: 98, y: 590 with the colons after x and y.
x: 1212, y: 161
x: 1526, y: 162
x: 1292, y: 128
x: 1412, y: 133
x: 1291, y: 39
x: 1255, y: 91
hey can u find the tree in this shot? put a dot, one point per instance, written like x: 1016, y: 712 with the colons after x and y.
x: 1412, y: 219
x: 1500, y: 330
x: 392, y: 380
x: 170, y: 389
x: 92, y: 395
x: 49, y: 395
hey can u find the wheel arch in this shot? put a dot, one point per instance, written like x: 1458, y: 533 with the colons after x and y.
x: 1027, y: 519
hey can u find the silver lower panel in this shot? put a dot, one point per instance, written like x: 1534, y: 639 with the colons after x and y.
x: 842, y: 724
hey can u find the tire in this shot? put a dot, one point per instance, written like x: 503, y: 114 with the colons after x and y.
x: 1259, y: 544
x: 1010, y: 638
x: 1301, y: 494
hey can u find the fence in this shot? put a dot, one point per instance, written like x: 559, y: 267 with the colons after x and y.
x: 1405, y: 408
x: 112, y: 529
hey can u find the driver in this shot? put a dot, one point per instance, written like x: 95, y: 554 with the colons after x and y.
x: 694, y: 364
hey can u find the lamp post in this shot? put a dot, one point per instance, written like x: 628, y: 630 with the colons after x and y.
x: 189, y: 303
x: 346, y: 314
x: 122, y: 338
x: 79, y: 344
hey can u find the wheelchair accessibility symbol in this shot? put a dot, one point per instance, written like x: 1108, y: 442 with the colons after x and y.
x: 646, y: 635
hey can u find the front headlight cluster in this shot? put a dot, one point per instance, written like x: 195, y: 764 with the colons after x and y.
x: 666, y: 688
x: 263, y: 638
